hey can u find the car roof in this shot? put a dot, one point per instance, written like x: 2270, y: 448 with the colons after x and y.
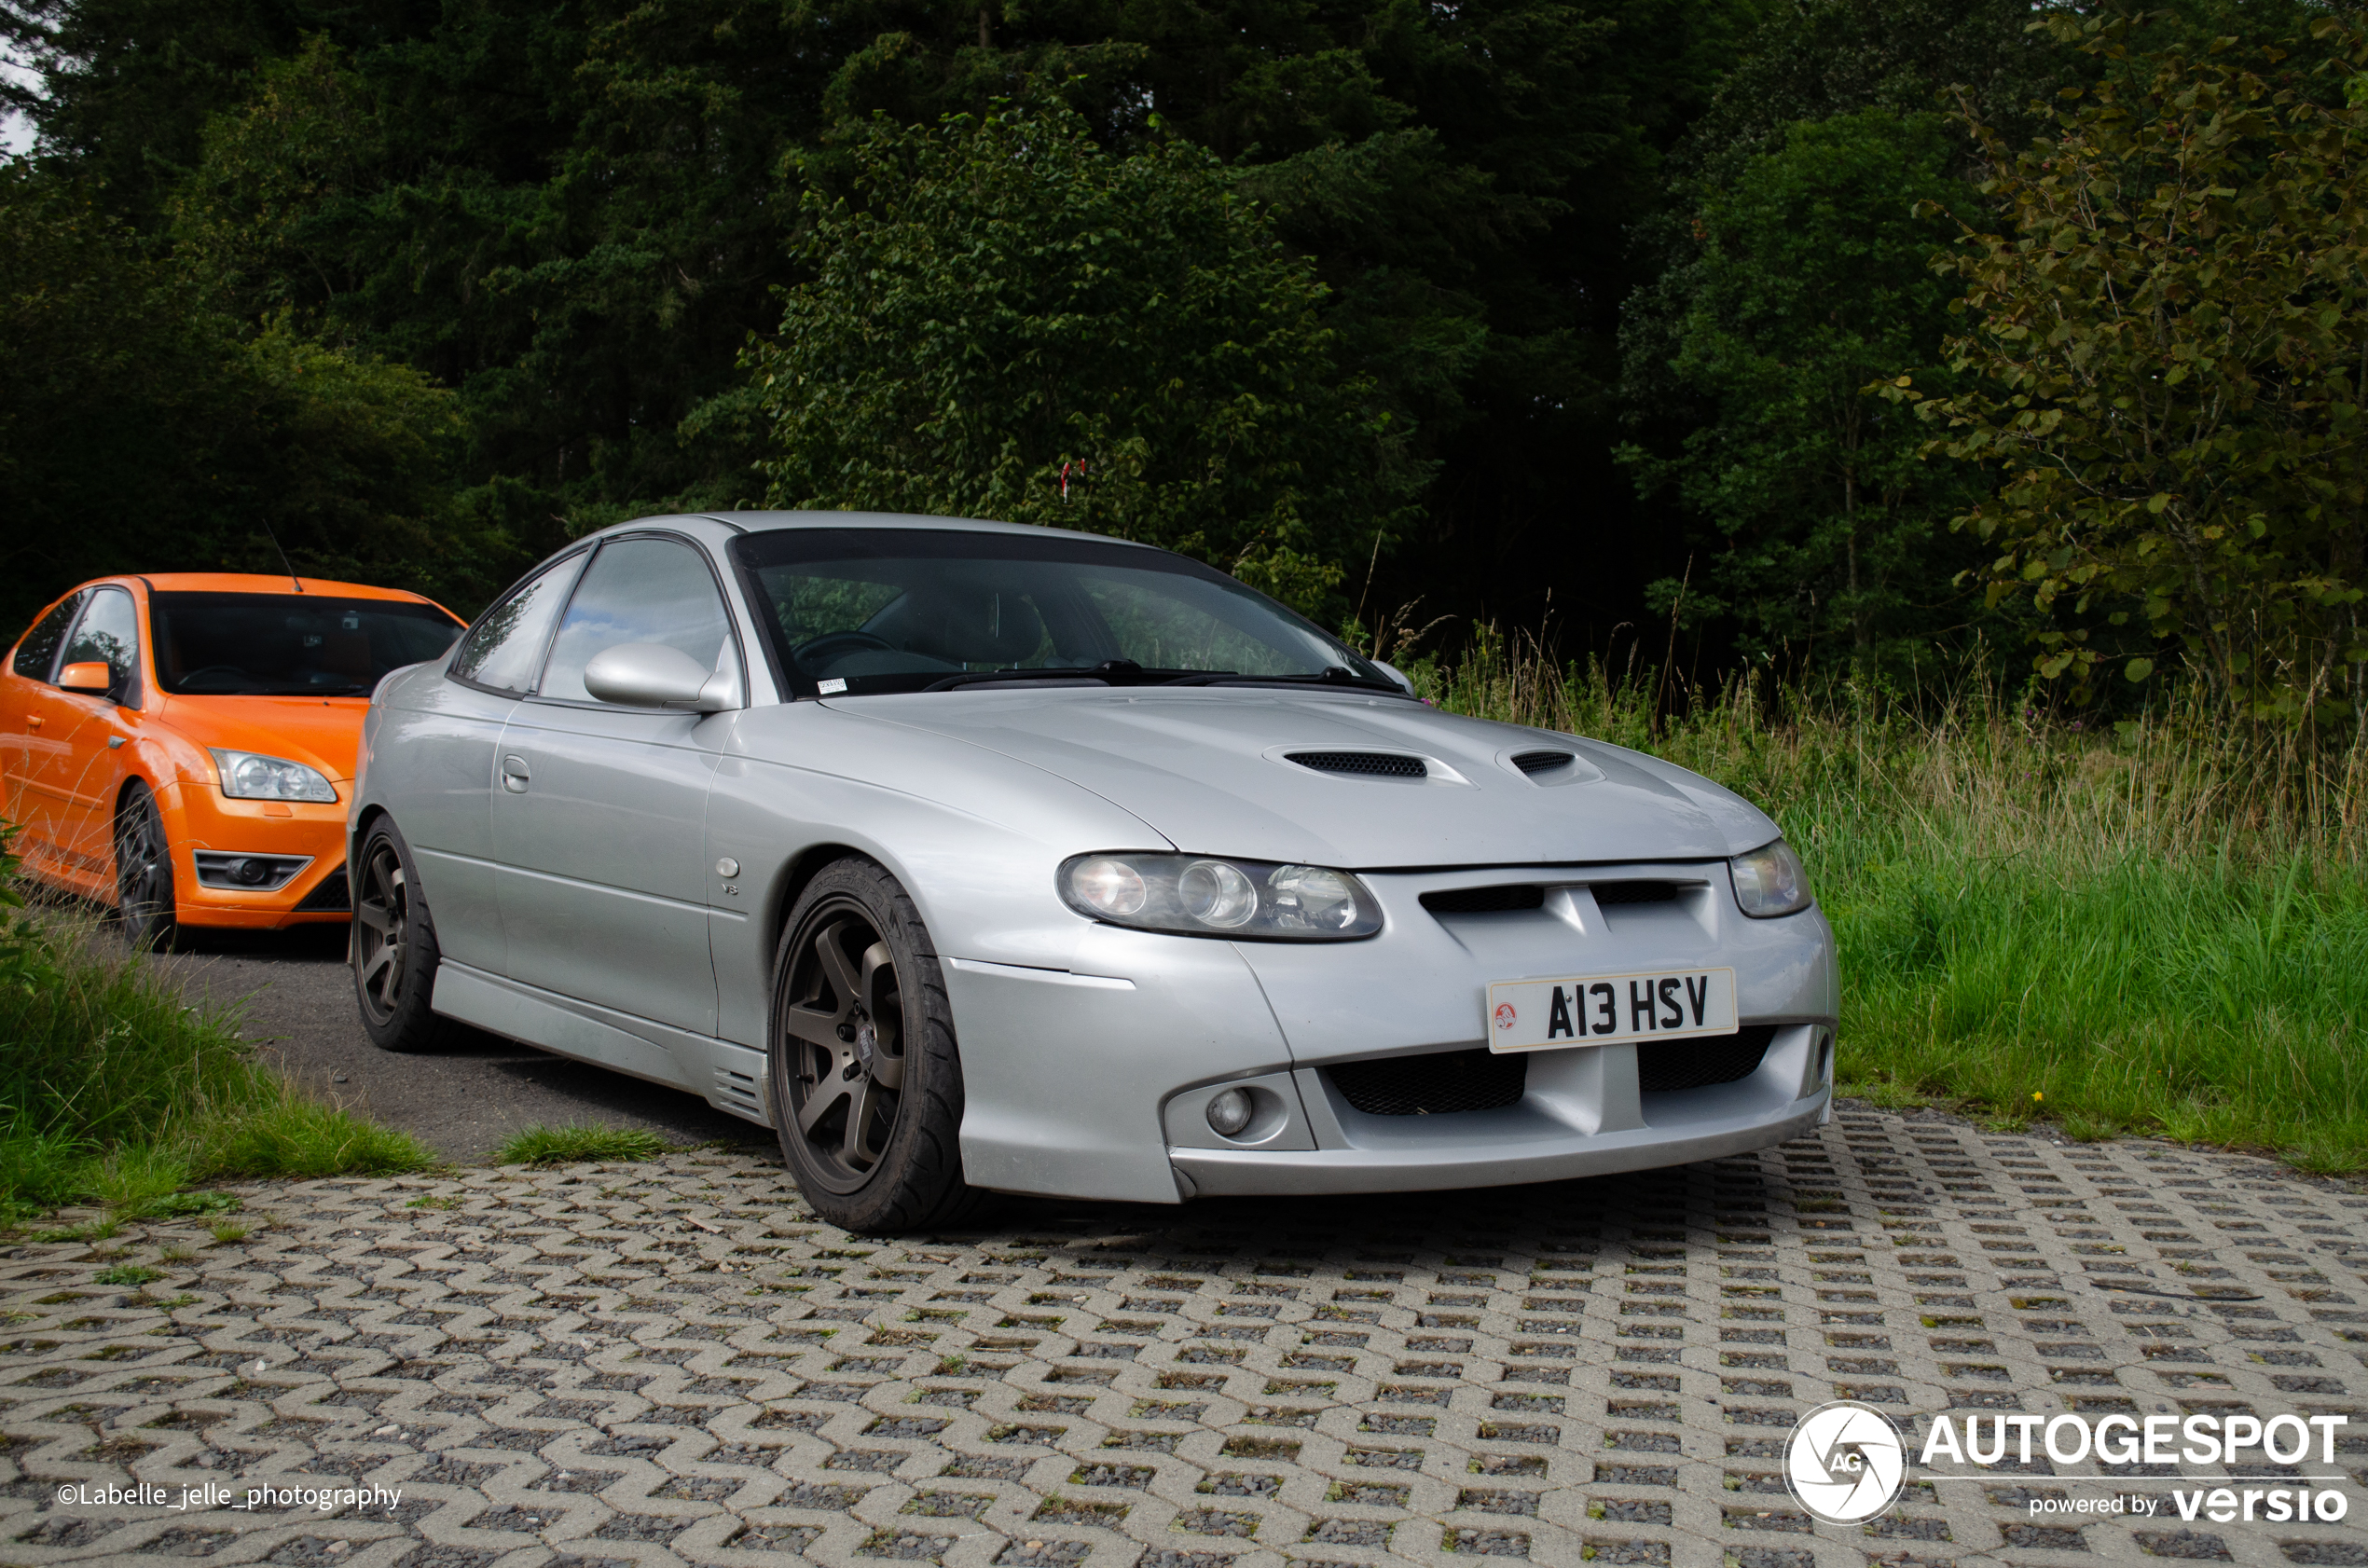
x: 768, y: 522
x: 255, y: 583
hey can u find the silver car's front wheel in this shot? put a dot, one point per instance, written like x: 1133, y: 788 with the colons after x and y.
x: 393, y: 952
x: 867, y: 1089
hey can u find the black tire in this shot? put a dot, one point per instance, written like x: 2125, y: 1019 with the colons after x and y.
x: 142, y: 871
x: 394, y: 953
x: 866, y: 1083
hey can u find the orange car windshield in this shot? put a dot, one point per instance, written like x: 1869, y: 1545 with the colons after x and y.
x: 283, y: 645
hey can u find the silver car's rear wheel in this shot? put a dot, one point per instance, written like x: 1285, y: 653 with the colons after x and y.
x: 867, y: 1089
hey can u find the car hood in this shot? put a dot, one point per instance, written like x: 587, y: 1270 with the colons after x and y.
x: 322, y: 733
x: 1207, y: 768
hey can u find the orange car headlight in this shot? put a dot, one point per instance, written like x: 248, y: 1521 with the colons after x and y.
x: 247, y: 776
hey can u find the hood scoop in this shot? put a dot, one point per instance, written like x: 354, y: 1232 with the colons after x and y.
x: 1363, y: 764
x: 1536, y: 763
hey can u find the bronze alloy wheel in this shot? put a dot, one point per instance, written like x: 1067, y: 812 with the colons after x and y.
x: 844, y: 1010
x: 142, y: 870
x: 381, y: 918
x: 865, y: 1082
x: 394, y: 949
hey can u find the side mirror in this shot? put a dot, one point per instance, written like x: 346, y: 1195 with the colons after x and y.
x: 93, y: 679
x: 652, y: 675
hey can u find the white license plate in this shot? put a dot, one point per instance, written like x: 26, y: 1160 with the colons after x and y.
x: 1607, y: 1009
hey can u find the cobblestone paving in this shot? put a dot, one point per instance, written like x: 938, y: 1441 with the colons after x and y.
x: 671, y: 1362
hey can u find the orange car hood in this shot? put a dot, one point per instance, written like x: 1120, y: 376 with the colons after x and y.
x: 323, y: 733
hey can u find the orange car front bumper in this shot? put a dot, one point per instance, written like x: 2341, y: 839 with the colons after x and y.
x: 197, y: 818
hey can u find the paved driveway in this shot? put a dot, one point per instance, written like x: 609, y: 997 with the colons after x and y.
x: 673, y: 1362
x: 292, y: 994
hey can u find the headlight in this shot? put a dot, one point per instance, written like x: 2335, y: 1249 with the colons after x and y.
x: 246, y: 777
x: 1771, y: 881
x: 1194, y: 895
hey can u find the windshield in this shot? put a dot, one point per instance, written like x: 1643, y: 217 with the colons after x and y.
x: 287, y: 645
x: 865, y: 610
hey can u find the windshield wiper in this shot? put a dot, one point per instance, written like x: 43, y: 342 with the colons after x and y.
x: 1331, y: 675
x: 1109, y: 672
x: 1126, y: 672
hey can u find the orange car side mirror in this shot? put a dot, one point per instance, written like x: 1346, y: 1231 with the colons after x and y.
x: 94, y: 678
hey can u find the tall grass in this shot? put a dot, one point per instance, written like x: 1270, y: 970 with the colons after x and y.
x: 110, y: 1088
x: 2160, y: 926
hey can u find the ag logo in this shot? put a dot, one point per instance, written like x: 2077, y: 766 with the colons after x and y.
x: 1845, y: 1462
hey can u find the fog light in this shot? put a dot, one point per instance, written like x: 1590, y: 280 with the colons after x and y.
x: 1230, y: 1112
x: 249, y: 872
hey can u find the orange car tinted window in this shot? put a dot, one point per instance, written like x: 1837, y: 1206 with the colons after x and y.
x: 38, y: 654
x: 290, y: 645
x: 506, y: 647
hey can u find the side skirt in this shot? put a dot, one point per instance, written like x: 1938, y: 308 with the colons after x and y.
x: 601, y: 1035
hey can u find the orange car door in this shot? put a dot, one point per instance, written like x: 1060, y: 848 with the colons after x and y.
x: 80, y: 769
x: 31, y: 726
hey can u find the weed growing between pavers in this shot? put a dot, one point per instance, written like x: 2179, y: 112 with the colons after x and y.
x: 544, y: 1145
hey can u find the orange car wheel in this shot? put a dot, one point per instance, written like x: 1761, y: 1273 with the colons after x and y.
x: 142, y: 870
x: 394, y: 948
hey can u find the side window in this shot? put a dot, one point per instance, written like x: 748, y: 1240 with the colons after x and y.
x: 639, y: 590
x: 109, y: 633
x: 501, y: 652
x: 38, y: 654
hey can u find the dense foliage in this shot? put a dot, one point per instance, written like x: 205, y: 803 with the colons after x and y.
x: 2165, y: 362
x: 1809, y: 281
x: 1576, y: 310
x: 1006, y: 321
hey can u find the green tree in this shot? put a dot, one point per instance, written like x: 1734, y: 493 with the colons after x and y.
x: 1809, y: 278
x: 2167, y: 340
x: 567, y: 212
x: 141, y: 432
x: 1007, y: 321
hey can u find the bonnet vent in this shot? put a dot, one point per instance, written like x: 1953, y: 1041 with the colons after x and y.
x: 1367, y: 764
x: 1543, y: 761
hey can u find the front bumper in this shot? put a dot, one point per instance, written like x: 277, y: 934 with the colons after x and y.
x: 1582, y: 1116
x: 201, y: 819
x: 1093, y: 1083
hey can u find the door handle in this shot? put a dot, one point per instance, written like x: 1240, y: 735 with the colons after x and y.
x: 515, y: 774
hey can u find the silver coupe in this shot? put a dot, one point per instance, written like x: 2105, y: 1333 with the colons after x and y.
x: 976, y: 858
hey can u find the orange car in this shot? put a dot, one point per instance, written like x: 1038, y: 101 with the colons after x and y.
x: 176, y: 745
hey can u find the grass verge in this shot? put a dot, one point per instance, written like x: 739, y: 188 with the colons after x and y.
x: 2161, y: 928
x: 542, y: 1145
x: 111, y: 1089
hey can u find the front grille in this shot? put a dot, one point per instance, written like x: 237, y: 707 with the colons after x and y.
x: 1485, y: 900
x: 1633, y: 892
x: 1369, y: 765
x: 332, y: 897
x: 1543, y: 761
x: 1437, y: 1084
x: 1697, y: 1063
